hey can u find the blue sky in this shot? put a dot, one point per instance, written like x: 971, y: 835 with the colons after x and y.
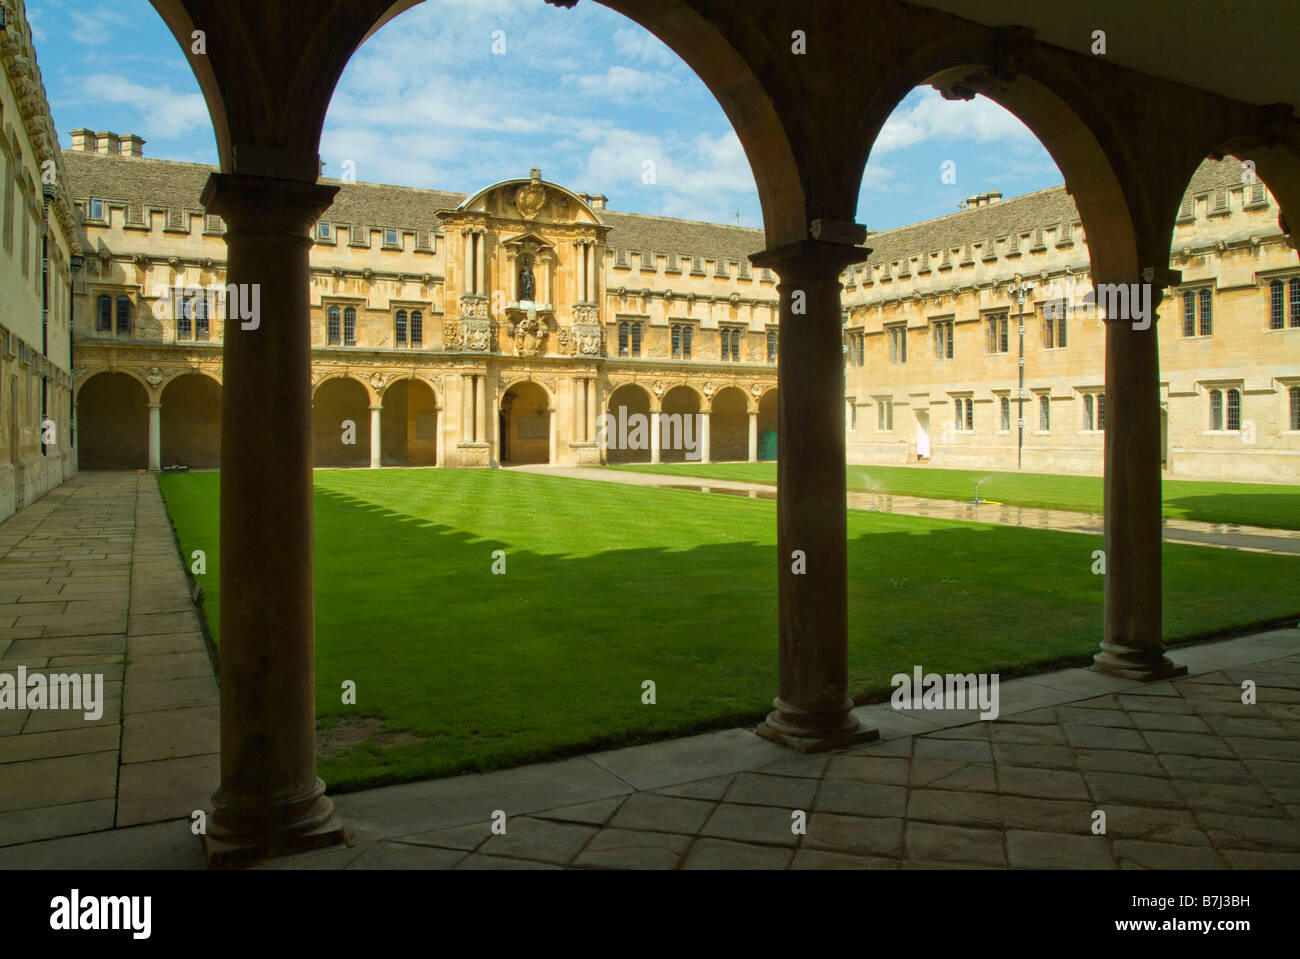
x: 585, y: 94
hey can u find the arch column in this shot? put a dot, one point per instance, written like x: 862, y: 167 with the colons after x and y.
x: 270, y: 798
x: 753, y: 436
x: 812, y: 709
x: 706, y: 435
x: 654, y: 436
x: 155, y: 437
x: 1132, y: 640
x: 375, y: 445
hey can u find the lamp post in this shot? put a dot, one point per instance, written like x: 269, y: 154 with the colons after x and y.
x: 1020, y: 289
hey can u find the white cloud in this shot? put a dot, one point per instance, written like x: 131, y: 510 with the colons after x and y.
x: 619, y: 83
x: 96, y: 27
x: 163, y: 113
x: 637, y: 43
x: 934, y: 118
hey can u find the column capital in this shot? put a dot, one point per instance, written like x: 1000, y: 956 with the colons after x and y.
x: 810, y: 256
x: 260, y: 205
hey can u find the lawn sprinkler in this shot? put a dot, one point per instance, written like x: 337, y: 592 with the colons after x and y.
x: 976, y: 501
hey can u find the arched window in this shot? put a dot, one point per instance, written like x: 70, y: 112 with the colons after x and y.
x: 104, y: 314
x: 1004, y: 413
x: 623, y: 338
x: 333, y: 336
x: 1276, y: 306
x: 417, y: 328
x: 349, y: 326
x: 1189, y: 314
x: 1087, y: 411
x: 201, y: 317
x: 399, y: 324
x: 1293, y: 285
x: 636, y: 339
x: 1216, y: 409
x: 184, y: 317
x: 123, y: 314
x: 1044, y: 413
x: 1234, y: 409
x: 1295, y: 407
x: 1101, y: 411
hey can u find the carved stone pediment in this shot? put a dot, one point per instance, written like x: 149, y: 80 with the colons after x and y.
x: 589, y: 339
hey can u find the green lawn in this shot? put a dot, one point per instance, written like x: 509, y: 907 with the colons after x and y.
x: 1251, y: 504
x: 610, y: 585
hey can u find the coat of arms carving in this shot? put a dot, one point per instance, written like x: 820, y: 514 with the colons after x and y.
x: 531, y: 197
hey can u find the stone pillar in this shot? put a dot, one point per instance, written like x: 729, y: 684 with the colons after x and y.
x: 155, y: 437
x: 480, y: 263
x: 812, y: 707
x: 554, y: 429
x: 480, y: 409
x: 270, y: 798
x: 1132, y: 640
x: 753, y: 436
x: 545, y: 284
x: 466, y: 408
x: 706, y: 434
x: 593, y: 272
x: 375, y: 447
x: 470, y: 270
x: 440, y: 454
x: 654, y: 437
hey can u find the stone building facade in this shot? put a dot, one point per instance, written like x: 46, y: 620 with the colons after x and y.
x: 498, y: 328
x: 933, y: 338
x: 446, y: 330
x: 38, y: 255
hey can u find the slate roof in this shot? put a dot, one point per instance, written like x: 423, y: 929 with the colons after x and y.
x: 155, y: 183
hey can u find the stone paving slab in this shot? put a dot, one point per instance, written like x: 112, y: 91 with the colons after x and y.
x: 91, y: 584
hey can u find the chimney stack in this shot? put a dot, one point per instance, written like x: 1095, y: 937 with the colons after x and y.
x: 995, y: 195
x: 108, y: 143
x: 598, y: 201
x: 132, y: 146
x: 83, y: 140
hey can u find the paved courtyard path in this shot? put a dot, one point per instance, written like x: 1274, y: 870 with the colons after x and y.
x: 91, y: 583
x: 1186, y: 773
x: 1224, y: 535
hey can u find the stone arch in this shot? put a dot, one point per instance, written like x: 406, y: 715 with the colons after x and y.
x: 767, y: 424
x: 1058, y: 108
x: 729, y: 425
x: 190, y: 421
x: 403, y: 377
x: 527, y: 422
x: 125, y: 371
x: 508, y: 385
x: 680, y: 407
x: 635, y: 400
x: 214, y: 375
x: 112, y: 422
x: 336, y: 401
x: 372, y: 398
x: 409, y: 422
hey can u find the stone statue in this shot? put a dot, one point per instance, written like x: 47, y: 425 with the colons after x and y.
x: 527, y: 286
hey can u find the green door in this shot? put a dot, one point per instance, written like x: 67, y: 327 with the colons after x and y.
x: 767, y: 445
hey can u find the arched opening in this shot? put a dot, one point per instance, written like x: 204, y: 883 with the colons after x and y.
x: 409, y: 424
x: 112, y: 423
x: 191, y: 422
x: 340, y: 424
x: 767, y: 418
x: 680, y: 430
x: 525, y: 425
x: 629, y: 405
x: 1239, y: 283
x: 729, y: 426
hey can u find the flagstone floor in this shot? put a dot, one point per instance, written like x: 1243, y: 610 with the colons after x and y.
x: 1186, y: 774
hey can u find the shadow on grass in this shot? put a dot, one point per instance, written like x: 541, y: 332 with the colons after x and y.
x: 549, y: 659
x: 1280, y: 509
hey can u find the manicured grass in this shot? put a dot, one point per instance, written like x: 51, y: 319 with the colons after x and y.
x: 1250, y: 504
x: 610, y: 585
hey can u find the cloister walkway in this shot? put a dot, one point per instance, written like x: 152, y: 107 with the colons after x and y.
x: 1187, y: 774
x: 1225, y: 535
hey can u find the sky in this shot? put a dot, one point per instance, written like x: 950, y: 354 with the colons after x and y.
x: 439, y: 99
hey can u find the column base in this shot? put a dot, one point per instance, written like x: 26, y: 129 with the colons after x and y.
x: 304, y: 824
x: 1143, y: 663
x: 811, y: 733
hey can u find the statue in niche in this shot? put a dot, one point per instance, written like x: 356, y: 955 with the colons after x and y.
x: 527, y: 286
